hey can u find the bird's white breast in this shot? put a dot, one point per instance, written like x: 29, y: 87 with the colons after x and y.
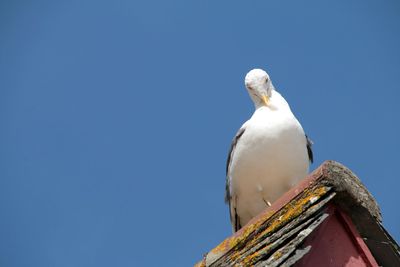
x: 270, y: 157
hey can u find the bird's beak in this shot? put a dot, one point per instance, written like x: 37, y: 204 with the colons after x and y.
x: 265, y: 99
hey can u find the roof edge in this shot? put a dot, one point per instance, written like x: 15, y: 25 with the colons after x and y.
x: 349, y: 187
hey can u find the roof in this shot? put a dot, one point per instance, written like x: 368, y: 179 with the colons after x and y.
x: 276, y: 236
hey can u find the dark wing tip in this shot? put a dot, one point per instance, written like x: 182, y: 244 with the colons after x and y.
x: 309, y: 149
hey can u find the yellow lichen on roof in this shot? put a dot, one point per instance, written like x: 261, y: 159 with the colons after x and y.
x: 285, y: 215
x: 296, y: 207
x: 200, y: 264
x: 270, y: 222
x: 233, y: 241
x: 277, y: 255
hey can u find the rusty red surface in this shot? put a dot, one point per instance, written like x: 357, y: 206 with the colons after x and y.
x: 357, y: 239
x: 335, y: 243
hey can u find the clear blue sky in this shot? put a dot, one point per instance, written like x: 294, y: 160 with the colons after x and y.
x: 116, y: 117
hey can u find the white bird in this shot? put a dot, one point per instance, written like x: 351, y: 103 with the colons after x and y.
x: 269, y: 154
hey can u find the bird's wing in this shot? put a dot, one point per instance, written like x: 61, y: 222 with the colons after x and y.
x: 309, y: 149
x: 228, y: 196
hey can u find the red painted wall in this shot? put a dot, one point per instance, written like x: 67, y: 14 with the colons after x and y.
x: 335, y: 243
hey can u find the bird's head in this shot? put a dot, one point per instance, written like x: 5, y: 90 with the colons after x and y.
x: 259, y: 86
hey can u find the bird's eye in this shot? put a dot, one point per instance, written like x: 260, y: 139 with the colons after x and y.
x: 266, y: 80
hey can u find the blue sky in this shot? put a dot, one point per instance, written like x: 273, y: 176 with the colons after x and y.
x: 116, y: 117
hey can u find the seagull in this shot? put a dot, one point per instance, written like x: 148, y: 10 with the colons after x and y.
x: 269, y: 154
